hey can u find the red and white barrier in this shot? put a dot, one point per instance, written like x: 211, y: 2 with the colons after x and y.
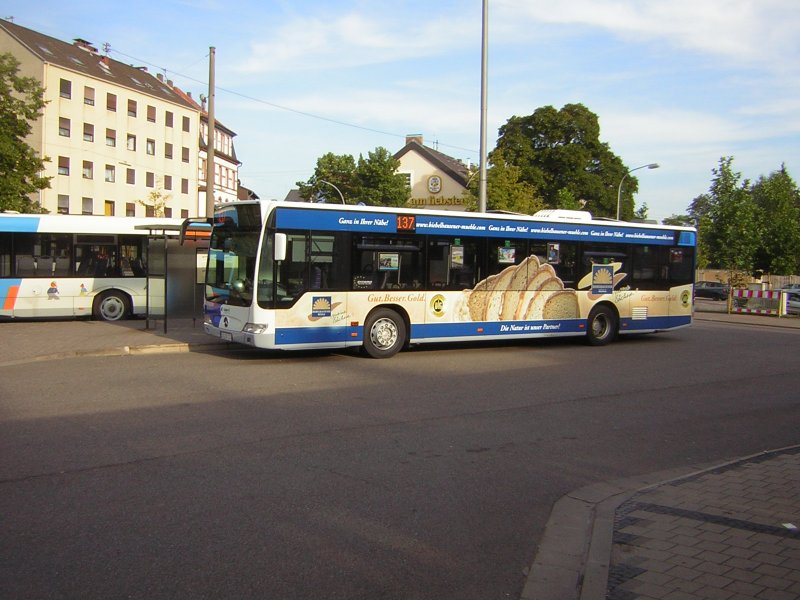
x: 758, y: 302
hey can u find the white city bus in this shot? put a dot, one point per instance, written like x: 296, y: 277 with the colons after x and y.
x: 75, y: 265
x: 299, y: 276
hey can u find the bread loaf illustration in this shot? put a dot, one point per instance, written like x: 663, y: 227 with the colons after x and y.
x: 527, y: 291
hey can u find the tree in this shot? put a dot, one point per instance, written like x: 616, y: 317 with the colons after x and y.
x: 504, y: 190
x: 679, y: 221
x: 729, y: 228
x: 373, y: 180
x: 778, y: 202
x: 561, y: 150
x: 379, y: 182
x: 21, y: 103
x: 157, y: 200
x: 640, y: 214
x: 336, y: 169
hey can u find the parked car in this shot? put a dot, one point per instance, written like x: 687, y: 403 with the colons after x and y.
x: 793, y: 302
x: 712, y: 289
x: 791, y: 287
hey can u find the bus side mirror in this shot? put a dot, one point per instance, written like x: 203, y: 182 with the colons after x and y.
x: 280, y: 247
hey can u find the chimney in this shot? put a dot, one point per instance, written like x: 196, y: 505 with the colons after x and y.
x: 169, y: 82
x: 84, y: 45
x: 414, y: 137
x: 160, y: 77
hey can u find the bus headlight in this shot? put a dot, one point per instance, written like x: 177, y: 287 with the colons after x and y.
x: 254, y: 328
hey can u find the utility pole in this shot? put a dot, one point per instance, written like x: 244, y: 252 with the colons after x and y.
x: 484, y: 67
x: 210, y: 137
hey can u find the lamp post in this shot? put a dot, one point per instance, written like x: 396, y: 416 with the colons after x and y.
x: 619, y: 190
x: 334, y: 187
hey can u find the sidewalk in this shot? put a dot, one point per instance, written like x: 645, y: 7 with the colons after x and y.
x: 27, y: 341
x: 725, y: 532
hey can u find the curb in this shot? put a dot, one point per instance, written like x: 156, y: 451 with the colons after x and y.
x: 170, y: 348
x: 574, y: 555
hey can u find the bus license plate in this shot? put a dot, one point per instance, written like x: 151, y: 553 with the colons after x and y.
x: 226, y: 337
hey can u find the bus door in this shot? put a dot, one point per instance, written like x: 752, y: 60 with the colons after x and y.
x: 311, y: 290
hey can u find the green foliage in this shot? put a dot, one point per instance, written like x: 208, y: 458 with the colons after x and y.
x: 729, y: 225
x: 504, y: 189
x: 559, y: 150
x: 640, y: 214
x: 679, y: 221
x: 567, y: 200
x: 380, y: 184
x: 778, y: 202
x: 21, y: 103
x: 373, y: 180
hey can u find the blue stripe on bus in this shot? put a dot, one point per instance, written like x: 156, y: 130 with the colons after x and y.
x: 19, y: 224
x: 328, y: 335
x: 654, y: 323
x: 337, y: 220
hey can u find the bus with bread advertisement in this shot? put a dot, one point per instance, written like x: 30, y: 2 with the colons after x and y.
x: 54, y: 266
x: 286, y: 275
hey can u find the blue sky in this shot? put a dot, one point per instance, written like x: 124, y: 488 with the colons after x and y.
x: 681, y: 83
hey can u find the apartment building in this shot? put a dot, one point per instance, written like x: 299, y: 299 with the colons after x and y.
x: 115, y: 134
x: 226, y: 166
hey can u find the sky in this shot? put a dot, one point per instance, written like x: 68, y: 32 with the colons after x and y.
x: 679, y: 83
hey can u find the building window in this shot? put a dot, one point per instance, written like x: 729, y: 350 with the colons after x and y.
x: 63, y: 165
x: 88, y: 132
x: 111, y: 102
x: 168, y: 118
x: 87, y: 205
x: 167, y: 182
x: 63, y: 204
x: 108, y: 208
x: 63, y: 127
x: 184, y: 213
x: 65, y: 88
x: 149, y: 211
x: 184, y: 186
x: 111, y: 173
x: 88, y: 170
x: 88, y: 95
x: 150, y: 179
x: 131, y: 108
x: 185, y: 154
x: 186, y: 124
x: 151, y: 147
x: 168, y: 150
x: 130, y: 176
x: 131, y: 142
x: 111, y: 137
x: 168, y: 212
x: 151, y: 113
x: 130, y: 209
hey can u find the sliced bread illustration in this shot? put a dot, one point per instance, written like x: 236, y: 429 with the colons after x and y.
x: 499, y: 289
x: 561, y: 305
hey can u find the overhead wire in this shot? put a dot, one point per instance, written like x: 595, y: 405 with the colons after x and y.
x: 280, y: 106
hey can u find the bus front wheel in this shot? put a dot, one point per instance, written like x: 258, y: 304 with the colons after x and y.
x: 111, y: 306
x: 601, y: 327
x: 384, y: 333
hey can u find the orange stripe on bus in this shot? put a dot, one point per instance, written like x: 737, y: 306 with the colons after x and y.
x: 11, y: 298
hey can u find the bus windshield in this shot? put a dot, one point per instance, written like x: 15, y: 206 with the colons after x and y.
x: 232, y: 256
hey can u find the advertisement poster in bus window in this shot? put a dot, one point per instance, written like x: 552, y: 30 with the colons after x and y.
x: 553, y: 254
x: 602, y: 279
x: 506, y: 256
x: 388, y: 261
x: 457, y: 257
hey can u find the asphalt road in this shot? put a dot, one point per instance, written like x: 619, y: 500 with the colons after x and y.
x: 429, y: 475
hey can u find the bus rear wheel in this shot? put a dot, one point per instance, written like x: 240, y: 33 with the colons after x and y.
x: 601, y: 327
x: 111, y: 306
x: 384, y: 333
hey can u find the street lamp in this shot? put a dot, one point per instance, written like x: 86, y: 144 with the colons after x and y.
x: 619, y: 190
x: 334, y: 187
